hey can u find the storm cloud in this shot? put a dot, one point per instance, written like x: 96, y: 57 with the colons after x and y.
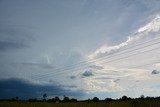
x: 74, y: 45
x: 10, y: 88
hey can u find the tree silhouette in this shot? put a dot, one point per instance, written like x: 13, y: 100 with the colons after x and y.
x: 124, y: 98
x: 44, y: 97
x: 108, y: 99
x: 33, y: 100
x: 142, y: 97
x: 17, y: 98
x: 73, y: 100
x: 57, y: 99
x: 95, y: 99
x: 66, y: 99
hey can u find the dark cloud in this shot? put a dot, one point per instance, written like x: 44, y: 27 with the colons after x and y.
x: 72, y: 77
x: 10, y: 88
x: 96, y: 67
x: 155, y: 72
x: 87, y: 73
x: 8, y: 45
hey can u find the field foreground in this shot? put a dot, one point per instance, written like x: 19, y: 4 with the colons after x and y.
x: 132, y: 103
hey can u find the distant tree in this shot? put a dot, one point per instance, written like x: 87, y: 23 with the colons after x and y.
x: 73, y: 100
x: 108, y: 99
x: 148, y: 97
x: 124, y: 98
x: 13, y: 99
x: 17, y: 98
x: 57, y: 99
x: 95, y: 99
x: 51, y: 100
x: 89, y: 100
x: 142, y: 97
x: 66, y: 99
x: 158, y: 97
x: 33, y: 100
x: 44, y: 97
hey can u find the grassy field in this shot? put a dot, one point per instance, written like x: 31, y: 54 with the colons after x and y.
x: 133, y: 103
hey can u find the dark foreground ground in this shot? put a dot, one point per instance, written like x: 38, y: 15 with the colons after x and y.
x: 131, y: 103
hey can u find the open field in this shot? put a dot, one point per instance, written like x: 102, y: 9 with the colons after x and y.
x: 131, y: 103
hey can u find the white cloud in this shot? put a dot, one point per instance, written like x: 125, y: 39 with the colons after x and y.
x: 153, y: 26
x: 139, y: 35
x: 105, y: 79
x: 107, y: 49
x: 157, y: 64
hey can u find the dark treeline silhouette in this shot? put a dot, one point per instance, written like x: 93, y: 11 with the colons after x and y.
x: 66, y: 99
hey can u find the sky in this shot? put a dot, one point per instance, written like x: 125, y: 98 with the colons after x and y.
x: 79, y: 48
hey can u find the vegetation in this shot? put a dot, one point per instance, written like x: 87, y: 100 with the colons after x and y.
x: 95, y: 102
x: 131, y: 103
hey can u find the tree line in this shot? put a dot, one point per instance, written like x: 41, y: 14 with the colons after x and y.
x: 56, y: 99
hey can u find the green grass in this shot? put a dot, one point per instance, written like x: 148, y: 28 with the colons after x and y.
x: 131, y: 103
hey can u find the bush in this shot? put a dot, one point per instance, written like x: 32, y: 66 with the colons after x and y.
x: 95, y: 99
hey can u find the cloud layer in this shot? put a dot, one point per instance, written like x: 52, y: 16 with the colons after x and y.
x: 68, y: 32
x: 13, y: 37
x: 142, y: 33
x: 24, y: 89
x: 121, y: 75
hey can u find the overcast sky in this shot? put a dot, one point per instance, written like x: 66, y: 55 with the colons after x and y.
x: 79, y: 48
